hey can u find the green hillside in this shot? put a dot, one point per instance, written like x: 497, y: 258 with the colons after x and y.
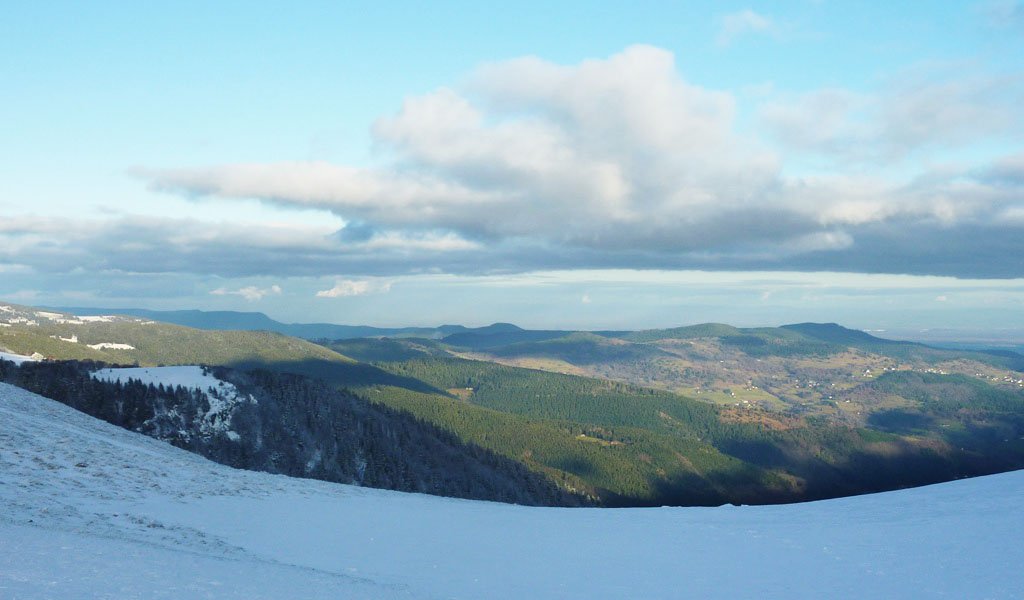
x: 688, y: 332
x: 766, y: 414
x: 64, y: 336
x: 580, y: 348
x: 633, y: 445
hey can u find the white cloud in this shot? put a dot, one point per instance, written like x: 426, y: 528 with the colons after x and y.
x: 922, y: 108
x: 622, y: 162
x: 446, y: 242
x: 344, y: 288
x: 250, y: 292
x: 581, y: 155
x: 744, y: 22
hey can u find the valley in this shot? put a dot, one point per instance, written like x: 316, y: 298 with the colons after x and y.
x: 697, y: 415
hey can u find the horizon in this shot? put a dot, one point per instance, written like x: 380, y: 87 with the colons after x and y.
x: 995, y: 337
x: 647, y: 166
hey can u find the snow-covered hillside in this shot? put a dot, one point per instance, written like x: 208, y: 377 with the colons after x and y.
x: 90, y: 510
x: 221, y: 395
x: 17, y: 358
x: 186, y: 376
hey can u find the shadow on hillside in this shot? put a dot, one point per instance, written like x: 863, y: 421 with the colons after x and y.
x: 902, y: 421
x: 348, y: 375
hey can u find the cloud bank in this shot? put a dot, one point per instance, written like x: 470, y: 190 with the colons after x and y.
x: 608, y: 163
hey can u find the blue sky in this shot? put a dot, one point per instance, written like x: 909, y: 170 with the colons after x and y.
x: 552, y: 164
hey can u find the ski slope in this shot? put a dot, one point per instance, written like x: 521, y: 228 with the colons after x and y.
x: 88, y: 510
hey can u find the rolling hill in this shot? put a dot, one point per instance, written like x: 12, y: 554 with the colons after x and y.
x: 700, y: 415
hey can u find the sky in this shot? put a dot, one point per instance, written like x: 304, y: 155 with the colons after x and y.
x: 570, y: 164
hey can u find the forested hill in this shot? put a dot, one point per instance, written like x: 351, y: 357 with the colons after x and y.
x: 635, y: 445
x: 288, y: 424
x: 698, y: 415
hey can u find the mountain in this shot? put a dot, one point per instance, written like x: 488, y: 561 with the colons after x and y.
x: 131, y: 340
x: 687, y: 332
x: 256, y: 321
x: 753, y: 416
x: 287, y: 424
x: 127, y: 340
x: 498, y: 334
x: 795, y: 368
x: 633, y: 445
x: 836, y: 334
x: 90, y: 510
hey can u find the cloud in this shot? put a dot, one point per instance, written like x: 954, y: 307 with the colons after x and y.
x: 1007, y: 171
x: 744, y: 22
x: 586, y: 299
x: 924, y: 108
x: 608, y: 163
x: 344, y: 288
x: 582, y: 156
x: 251, y: 293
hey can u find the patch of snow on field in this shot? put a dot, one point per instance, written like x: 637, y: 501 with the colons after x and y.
x: 111, y: 346
x: 16, y: 358
x: 59, y: 318
x: 23, y: 321
x: 188, y: 376
x: 90, y: 510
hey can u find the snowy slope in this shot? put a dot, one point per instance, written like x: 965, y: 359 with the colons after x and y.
x: 90, y: 510
x: 185, y: 376
x: 16, y: 358
x: 221, y: 395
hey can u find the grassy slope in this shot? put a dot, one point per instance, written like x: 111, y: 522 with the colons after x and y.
x: 160, y: 343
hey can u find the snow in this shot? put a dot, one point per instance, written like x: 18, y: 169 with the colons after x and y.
x: 16, y: 358
x: 188, y: 376
x: 90, y: 510
x: 222, y: 402
x: 22, y: 321
x: 111, y: 346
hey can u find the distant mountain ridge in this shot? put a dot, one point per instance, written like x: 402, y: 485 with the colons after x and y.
x: 245, y: 321
x: 697, y: 415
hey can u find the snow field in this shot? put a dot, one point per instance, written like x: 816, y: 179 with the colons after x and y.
x: 91, y: 510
